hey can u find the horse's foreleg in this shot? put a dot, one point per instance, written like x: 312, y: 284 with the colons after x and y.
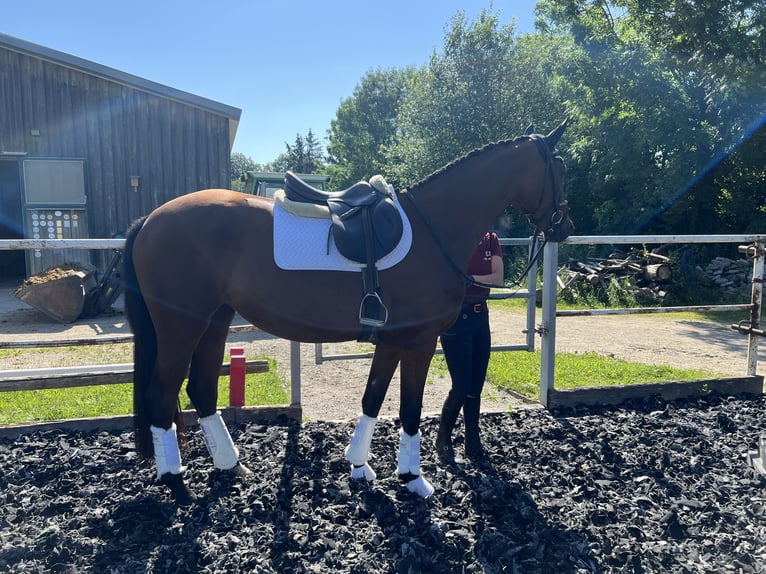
x: 203, y: 392
x: 414, y: 370
x: 383, y: 366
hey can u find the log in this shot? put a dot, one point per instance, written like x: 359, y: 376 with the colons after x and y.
x: 657, y: 272
x: 658, y: 256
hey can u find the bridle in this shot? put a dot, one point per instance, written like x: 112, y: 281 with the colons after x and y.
x: 559, y: 204
x: 554, y: 221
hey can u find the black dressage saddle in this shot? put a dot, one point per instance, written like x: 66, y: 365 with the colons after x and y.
x: 366, y: 226
x: 363, y: 218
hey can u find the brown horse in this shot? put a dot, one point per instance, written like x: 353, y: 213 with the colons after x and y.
x: 197, y: 259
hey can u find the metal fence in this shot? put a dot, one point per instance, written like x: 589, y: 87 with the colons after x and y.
x: 547, y: 327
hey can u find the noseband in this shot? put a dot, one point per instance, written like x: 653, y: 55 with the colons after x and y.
x: 558, y: 211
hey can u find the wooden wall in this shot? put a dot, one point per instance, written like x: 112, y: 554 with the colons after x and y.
x: 49, y: 110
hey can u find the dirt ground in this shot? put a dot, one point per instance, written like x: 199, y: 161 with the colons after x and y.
x: 651, y: 487
x: 333, y: 390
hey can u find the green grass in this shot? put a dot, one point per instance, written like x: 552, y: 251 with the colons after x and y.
x: 520, y: 372
x: 520, y: 305
x: 109, y: 400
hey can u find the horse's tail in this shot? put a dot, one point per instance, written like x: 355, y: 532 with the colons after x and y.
x: 144, y: 345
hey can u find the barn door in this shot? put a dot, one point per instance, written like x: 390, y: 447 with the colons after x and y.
x: 12, y: 263
x: 54, y: 208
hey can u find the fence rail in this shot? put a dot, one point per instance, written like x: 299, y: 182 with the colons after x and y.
x: 67, y: 377
x: 547, y: 327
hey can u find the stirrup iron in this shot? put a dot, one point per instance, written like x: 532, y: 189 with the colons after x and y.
x: 370, y: 321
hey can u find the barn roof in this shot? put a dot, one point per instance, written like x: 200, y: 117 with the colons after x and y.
x: 136, y: 82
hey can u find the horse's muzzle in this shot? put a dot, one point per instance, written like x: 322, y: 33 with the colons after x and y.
x: 560, y: 228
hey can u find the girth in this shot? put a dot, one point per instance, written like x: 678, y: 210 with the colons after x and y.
x: 366, y: 226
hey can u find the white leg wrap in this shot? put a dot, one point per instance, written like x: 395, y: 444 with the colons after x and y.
x: 409, y: 462
x: 358, y: 451
x: 167, y: 455
x: 409, y: 453
x: 218, y: 440
x: 421, y: 487
x: 363, y: 472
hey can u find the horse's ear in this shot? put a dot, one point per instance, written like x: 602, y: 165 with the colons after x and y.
x: 553, y: 137
x: 530, y: 130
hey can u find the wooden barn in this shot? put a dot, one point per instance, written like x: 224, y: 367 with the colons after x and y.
x: 85, y: 149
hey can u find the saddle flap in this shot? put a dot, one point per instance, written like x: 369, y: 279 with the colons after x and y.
x: 379, y: 224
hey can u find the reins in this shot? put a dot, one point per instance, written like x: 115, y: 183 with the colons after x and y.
x: 424, y: 217
x: 468, y: 278
x: 517, y: 282
x: 556, y: 218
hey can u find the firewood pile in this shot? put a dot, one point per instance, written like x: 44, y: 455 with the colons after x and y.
x: 640, y: 274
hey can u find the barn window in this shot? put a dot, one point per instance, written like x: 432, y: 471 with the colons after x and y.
x: 54, y: 181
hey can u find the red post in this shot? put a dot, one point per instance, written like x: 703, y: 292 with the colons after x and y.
x: 237, y: 377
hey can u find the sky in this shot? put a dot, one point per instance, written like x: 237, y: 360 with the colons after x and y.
x: 287, y: 64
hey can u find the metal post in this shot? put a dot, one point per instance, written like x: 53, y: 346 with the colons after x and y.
x: 531, y: 299
x: 755, y: 310
x: 237, y: 370
x: 295, y: 373
x: 548, y: 325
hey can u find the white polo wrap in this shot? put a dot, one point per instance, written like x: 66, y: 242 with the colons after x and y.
x: 409, y: 453
x: 358, y: 451
x: 409, y: 462
x: 218, y: 440
x: 167, y: 455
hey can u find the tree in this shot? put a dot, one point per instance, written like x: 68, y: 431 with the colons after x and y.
x: 460, y: 101
x: 304, y: 156
x: 241, y: 164
x: 676, y: 82
x: 365, y: 125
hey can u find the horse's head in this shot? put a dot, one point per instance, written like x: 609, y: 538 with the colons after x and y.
x: 551, y: 216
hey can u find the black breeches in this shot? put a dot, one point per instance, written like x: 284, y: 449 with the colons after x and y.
x: 466, y: 348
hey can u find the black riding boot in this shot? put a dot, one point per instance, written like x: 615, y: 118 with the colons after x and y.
x: 473, y: 449
x: 450, y: 411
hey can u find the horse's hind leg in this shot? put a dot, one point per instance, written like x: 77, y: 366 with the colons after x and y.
x: 206, y: 362
x: 161, y: 400
x: 203, y: 392
x: 383, y: 366
x: 177, y: 343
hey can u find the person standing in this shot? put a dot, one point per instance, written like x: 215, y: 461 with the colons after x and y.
x: 466, y: 345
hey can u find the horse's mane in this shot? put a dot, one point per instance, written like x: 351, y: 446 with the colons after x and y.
x: 464, y: 158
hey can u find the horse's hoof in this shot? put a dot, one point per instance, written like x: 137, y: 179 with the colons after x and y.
x: 420, y: 486
x: 181, y: 493
x: 363, y: 472
x: 240, y: 471
x: 446, y: 455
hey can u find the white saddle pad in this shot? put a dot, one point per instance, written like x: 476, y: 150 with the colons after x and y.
x: 300, y: 244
